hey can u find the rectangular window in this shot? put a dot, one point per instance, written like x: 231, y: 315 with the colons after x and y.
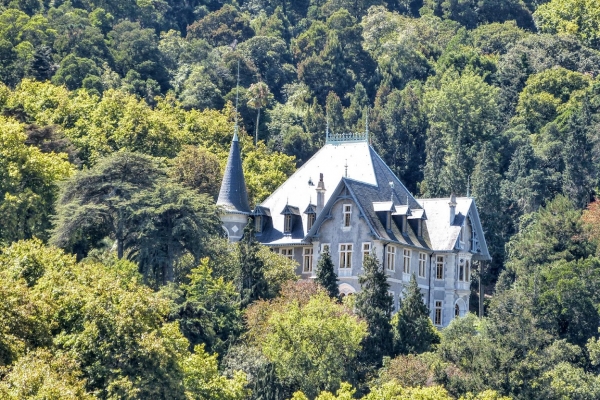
x: 437, y: 316
x: 439, y: 267
x: 366, y: 250
x: 461, y: 272
x: 390, y: 261
x: 347, y: 215
x: 288, y: 253
x: 310, y: 220
x: 307, y: 265
x: 287, y: 225
x: 258, y: 224
x: 406, y: 268
x: 345, y: 255
x: 467, y: 271
x: 422, y: 264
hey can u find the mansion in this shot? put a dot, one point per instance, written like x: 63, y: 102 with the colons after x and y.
x: 347, y: 200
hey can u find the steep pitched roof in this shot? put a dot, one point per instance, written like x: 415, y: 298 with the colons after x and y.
x: 442, y: 233
x: 355, y: 162
x: 233, y: 195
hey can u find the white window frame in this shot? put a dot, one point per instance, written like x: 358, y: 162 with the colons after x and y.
x: 258, y: 223
x: 347, y: 215
x: 366, y: 249
x: 439, y: 266
x: 390, y: 258
x: 461, y: 271
x: 287, y: 252
x: 406, y: 256
x: 287, y: 223
x: 310, y: 220
x: 437, y: 313
x: 307, y: 259
x: 345, y: 252
x: 422, y: 265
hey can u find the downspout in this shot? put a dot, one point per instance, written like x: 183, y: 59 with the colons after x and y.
x: 430, y: 283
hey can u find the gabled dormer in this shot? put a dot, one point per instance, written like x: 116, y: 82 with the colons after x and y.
x: 291, y: 217
x: 261, y: 215
x: 384, y: 210
x: 311, y: 216
x: 400, y: 216
x: 416, y: 220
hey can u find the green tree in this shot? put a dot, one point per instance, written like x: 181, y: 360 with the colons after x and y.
x: 258, y: 97
x: 207, y: 309
x: 28, y: 184
x: 412, y: 327
x: 572, y: 17
x: 93, y: 204
x: 326, y: 275
x: 167, y: 222
x: 375, y: 305
x: 252, y: 283
x: 310, y: 340
x: 197, y: 169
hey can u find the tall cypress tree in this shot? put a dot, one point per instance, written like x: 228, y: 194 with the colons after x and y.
x: 252, y: 284
x: 326, y: 276
x: 374, y: 304
x: 413, y: 330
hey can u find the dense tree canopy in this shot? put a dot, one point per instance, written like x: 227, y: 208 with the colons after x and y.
x: 115, y: 124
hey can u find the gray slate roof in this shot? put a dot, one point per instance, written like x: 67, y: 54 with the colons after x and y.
x: 444, y: 235
x: 233, y: 196
x: 367, y: 175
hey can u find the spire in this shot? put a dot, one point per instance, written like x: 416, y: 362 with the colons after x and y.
x: 233, y: 195
x: 237, y: 98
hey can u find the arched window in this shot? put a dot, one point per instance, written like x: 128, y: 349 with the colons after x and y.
x: 456, y: 311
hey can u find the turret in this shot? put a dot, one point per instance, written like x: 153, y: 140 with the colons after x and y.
x: 233, y: 196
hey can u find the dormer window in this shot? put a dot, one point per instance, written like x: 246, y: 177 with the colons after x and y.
x: 311, y: 216
x: 388, y: 221
x: 261, y: 216
x: 258, y: 223
x: 347, y: 215
x: 310, y: 221
x: 290, y: 213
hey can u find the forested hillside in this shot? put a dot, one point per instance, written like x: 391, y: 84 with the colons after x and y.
x: 115, y: 123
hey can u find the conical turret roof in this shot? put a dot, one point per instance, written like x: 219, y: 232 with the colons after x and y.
x: 233, y: 195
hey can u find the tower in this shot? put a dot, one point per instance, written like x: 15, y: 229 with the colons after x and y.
x: 233, y: 196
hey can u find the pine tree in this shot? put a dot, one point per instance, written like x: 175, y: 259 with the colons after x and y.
x: 326, y: 276
x: 412, y: 327
x: 374, y: 304
x: 253, y: 284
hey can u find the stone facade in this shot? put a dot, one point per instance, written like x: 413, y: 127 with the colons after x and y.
x: 346, y: 198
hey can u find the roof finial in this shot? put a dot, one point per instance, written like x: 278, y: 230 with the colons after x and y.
x: 392, y: 193
x: 469, y: 186
x: 346, y: 169
x: 367, y: 124
x: 237, y: 97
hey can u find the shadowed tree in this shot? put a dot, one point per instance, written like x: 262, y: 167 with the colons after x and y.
x: 326, y: 276
x: 252, y: 282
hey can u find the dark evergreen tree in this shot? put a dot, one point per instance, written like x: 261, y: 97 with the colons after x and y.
x: 42, y: 67
x: 412, y: 327
x: 252, y: 282
x: 375, y: 304
x: 486, y: 191
x: 326, y: 276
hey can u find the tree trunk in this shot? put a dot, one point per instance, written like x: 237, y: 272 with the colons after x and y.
x: 256, y: 134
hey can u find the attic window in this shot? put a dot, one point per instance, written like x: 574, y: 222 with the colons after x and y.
x: 388, y: 221
x: 347, y: 215
x: 258, y: 223
x: 287, y: 223
x: 310, y: 220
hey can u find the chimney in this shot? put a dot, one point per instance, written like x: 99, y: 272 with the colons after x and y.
x: 452, y: 205
x: 320, y: 194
